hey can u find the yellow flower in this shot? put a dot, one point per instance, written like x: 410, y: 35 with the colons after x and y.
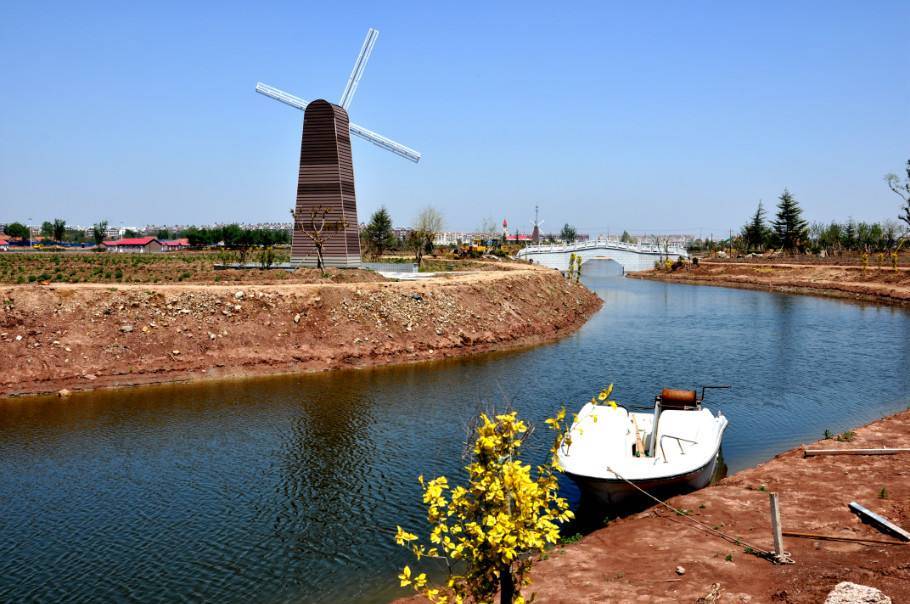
x: 402, y: 536
x: 405, y: 577
x: 504, y: 510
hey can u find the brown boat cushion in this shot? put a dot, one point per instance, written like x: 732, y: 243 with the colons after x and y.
x: 670, y: 398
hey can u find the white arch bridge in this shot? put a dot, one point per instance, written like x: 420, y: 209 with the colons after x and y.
x: 632, y: 256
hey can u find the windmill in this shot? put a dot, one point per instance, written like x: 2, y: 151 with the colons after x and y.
x: 326, y: 230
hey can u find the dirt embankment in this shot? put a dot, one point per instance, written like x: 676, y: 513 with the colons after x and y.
x: 635, y: 559
x: 83, y: 336
x: 872, y: 284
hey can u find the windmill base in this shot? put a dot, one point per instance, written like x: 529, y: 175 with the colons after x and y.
x: 328, y: 261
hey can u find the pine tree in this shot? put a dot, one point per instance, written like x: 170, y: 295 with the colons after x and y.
x: 850, y: 235
x: 756, y: 231
x: 379, y: 233
x: 790, y: 228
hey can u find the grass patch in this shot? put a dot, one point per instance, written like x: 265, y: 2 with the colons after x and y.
x: 846, y: 437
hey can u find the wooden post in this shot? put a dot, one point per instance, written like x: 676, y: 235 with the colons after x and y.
x: 775, y: 527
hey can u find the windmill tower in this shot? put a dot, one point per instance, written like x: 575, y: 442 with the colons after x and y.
x: 326, y: 200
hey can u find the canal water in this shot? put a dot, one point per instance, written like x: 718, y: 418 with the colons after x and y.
x: 285, y: 489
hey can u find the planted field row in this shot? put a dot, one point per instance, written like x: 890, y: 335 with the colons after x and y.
x: 195, y: 267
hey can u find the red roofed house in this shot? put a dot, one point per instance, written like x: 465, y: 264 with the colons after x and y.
x: 175, y: 244
x: 135, y: 245
x: 4, y: 245
x: 518, y: 238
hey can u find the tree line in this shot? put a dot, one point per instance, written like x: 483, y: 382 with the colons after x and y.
x: 231, y: 235
x: 234, y: 236
x: 790, y: 232
x: 379, y: 237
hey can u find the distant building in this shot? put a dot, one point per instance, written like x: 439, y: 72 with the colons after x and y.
x: 175, y: 245
x: 450, y: 238
x: 136, y: 245
x: 401, y: 233
x: 518, y: 238
x: 4, y: 245
x: 110, y: 232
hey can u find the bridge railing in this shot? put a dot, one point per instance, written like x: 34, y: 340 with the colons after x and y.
x: 637, y: 248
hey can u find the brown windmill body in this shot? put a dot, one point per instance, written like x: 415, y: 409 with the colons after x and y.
x: 325, y: 212
x: 325, y: 189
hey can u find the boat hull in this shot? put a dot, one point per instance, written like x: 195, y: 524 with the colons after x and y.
x: 616, y: 492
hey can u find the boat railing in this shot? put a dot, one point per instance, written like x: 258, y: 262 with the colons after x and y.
x: 679, y: 440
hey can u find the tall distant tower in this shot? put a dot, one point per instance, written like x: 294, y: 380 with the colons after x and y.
x: 505, y: 229
x: 535, y: 234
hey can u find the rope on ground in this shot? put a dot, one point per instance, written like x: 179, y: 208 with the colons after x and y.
x: 761, y: 553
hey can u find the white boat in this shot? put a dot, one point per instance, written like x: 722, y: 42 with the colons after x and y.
x: 609, y: 447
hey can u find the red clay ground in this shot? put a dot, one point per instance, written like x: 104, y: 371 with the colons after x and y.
x: 634, y: 559
x: 876, y: 285
x: 83, y: 336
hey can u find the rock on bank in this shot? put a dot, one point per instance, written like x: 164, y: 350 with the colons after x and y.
x: 89, y: 336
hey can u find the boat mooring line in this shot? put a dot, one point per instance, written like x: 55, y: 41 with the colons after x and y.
x: 761, y: 553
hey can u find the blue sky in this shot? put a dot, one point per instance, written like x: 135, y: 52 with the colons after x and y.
x: 643, y: 116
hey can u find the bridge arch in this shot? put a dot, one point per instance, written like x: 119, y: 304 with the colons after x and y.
x: 631, y: 257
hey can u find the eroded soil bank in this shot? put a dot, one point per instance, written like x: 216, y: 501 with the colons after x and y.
x: 881, y: 285
x: 635, y: 559
x: 84, y: 336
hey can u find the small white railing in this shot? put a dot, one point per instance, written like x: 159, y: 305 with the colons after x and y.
x: 635, y: 248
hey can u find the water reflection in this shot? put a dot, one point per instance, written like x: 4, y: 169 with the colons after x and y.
x: 282, y: 489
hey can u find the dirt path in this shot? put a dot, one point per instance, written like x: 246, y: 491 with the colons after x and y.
x: 875, y: 285
x: 83, y: 336
x: 635, y: 559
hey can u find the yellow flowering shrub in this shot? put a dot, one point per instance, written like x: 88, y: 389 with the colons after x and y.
x: 488, y: 530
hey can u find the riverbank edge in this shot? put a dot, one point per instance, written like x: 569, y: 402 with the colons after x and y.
x: 494, y: 311
x: 660, y: 556
x: 882, y: 296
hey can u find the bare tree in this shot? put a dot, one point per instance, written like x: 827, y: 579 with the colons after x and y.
x: 903, y: 191
x: 318, y: 230
x: 429, y: 223
x: 488, y: 228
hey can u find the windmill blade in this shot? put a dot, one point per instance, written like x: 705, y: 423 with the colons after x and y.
x: 386, y: 143
x: 281, y: 96
x: 348, y: 95
x: 374, y: 137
